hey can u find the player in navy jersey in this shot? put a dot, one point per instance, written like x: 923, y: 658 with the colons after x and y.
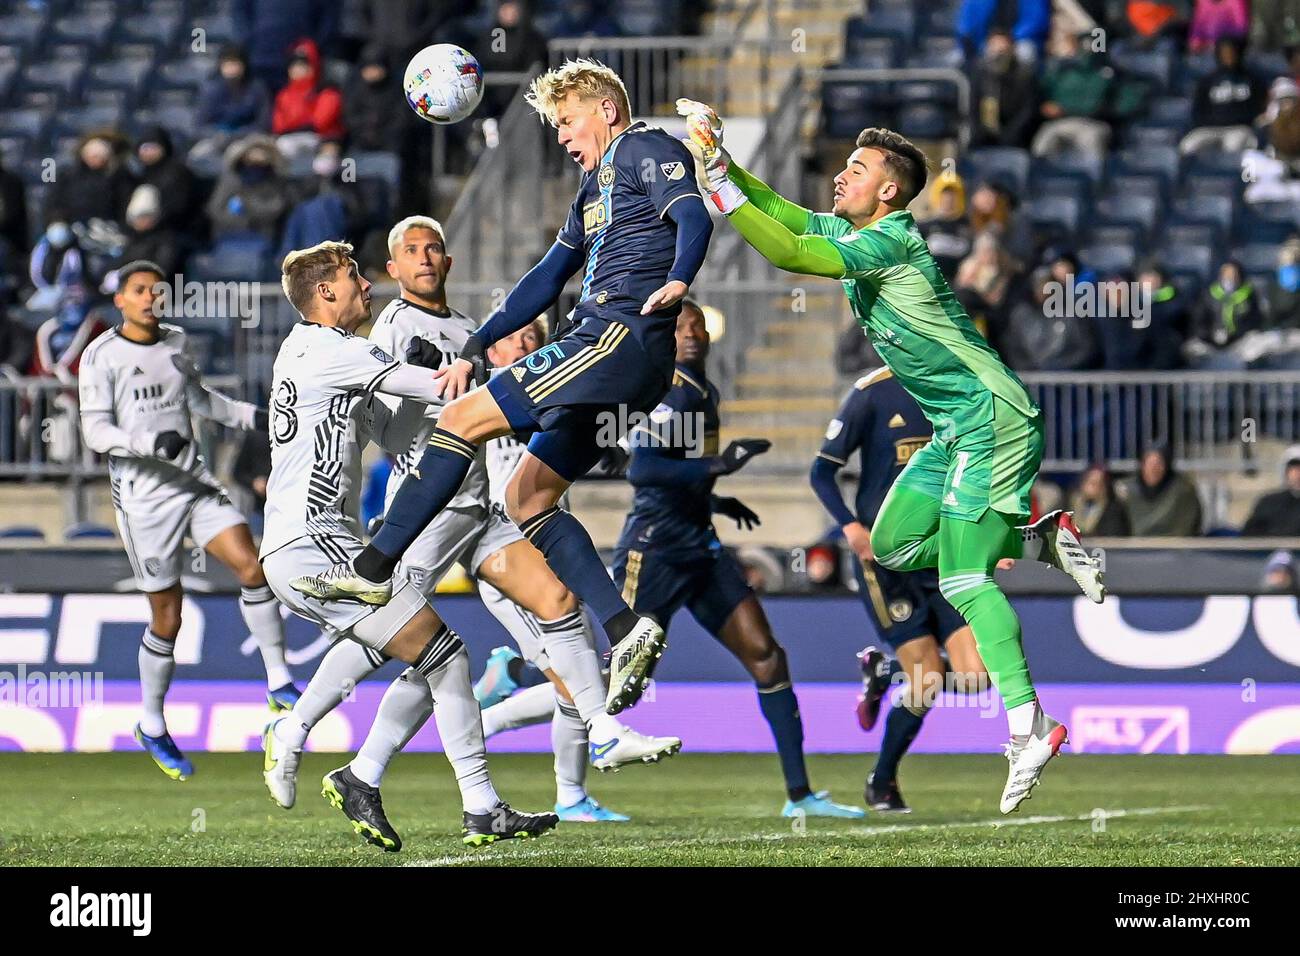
x: 885, y: 424
x: 639, y: 231
x: 669, y: 555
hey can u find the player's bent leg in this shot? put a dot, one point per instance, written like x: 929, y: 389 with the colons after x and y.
x: 967, y: 674
x: 905, y: 535
x: 234, y: 548
x: 748, y: 635
x: 1055, y: 540
x: 157, y: 662
x: 922, y: 668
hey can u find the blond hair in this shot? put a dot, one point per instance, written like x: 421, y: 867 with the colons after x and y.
x: 303, y: 269
x: 590, y: 79
x: 414, y: 222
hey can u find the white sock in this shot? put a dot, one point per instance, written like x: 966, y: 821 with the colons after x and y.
x: 405, y: 707
x: 261, y: 613
x: 1021, y: 718
x: 445, y: 665
x: 532, y: 705
x: 157, y: 664
x: 344, y: 666
x: 569, y: 741
x: 573, y: 659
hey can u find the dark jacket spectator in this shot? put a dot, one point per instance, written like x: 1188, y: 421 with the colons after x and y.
x: 1149, y: 334
x: 1212, y: 20
x: 163, y: 170
x: 1160, y: 501
x: 268, y: 30
x: 947, y: 232
x: 984, y: 281
x: 331, y: 212
x: 1284, y: 290
x: 587, y: 18
x: 1040, y: 334
x: 1097, y: 511
x: 98, y: 185
x: 304, y: 105
x: 400, y: 28
x: 252, y: 194
x: 148, y: 236
x: 1229, y: 95
x: 1277, y: 514
x: 373, y: 110
x: 512, y: 44
x: 16, y: 344
x: 1274, y: 24
x: 1229, y: 308
x: 13, y: 215
x: 234, y: 102
x: 1004, y: 95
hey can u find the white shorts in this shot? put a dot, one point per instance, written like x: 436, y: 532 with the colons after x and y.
x: 311, y: 555
x: 154, y: 528
x: 469, y: 536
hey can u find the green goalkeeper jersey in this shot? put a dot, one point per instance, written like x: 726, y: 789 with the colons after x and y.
x: 900, y: 298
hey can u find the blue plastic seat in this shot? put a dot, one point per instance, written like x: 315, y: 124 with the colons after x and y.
x: 23, y: 531
x: 1007, y: 164
x: 869, y: 52
x: 1143, y: 211
x: 898, y: 22
x: 1108, y: 259
x: 1196, y: 260
x: 87, y: 529
x: 1257, y: 257
x: 1059, y: 210
x: 1213, y: 209
x: 61, y: 76
x: 926, y: 121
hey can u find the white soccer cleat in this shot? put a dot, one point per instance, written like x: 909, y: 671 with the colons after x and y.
x: 630, y: 747
x: 341, y: 583
x: 1028, y: 756
x: 631, y: 662
x: 280, y: 768
x: 1062, y: 548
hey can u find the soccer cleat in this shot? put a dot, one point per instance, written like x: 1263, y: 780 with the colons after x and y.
x: 631, y: 662
x: 629, y: 747
x: 819, y: 804
x: 587, y: 810
x: 341, y: 583
x: 362, y: 804
x: 280, y: 767
x: 282, y: 699
x: 885, y: 798
x: 1028, y: 755
x: 502, y: 823
x: 496, y: 684
x: 165, y: 754
x: 875, y: 684
x: 1062, y: 549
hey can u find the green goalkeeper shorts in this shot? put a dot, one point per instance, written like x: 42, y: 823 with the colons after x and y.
x: 991, y: 466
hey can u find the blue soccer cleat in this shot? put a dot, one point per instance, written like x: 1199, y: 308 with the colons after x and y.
x: 820, y: 805
x: 165, y: 754
x: 282, y: 699
x: 496, y: 684
x: 588, y: 810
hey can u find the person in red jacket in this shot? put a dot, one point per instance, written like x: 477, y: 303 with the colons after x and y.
x: 304, y: 105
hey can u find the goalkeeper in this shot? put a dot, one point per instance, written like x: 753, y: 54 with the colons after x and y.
x: 960, y: 503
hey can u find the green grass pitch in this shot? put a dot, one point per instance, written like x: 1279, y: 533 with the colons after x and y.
x: 702, y: 809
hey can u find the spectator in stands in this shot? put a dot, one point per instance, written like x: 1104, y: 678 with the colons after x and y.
x: 1228, y: 310
x: 1283, y: 304
x: 306, y: 111
x: 1040, y: 335
x: 1274, y: 24
x: 1027, y: 22
x: 1076, y: 92
x: 1149, y: 19
x: 513, y: 44
x: 1280, y: 575
x: 587, y: 18
x: 99, y: 184
x: 1283, y: 93
x: 1145, y: 322
x: 1005, y: 95
x: 148, y: 235
x: 1097, y: 511
x: 1226, y: 103
x: 993, y: 209
x: 14, y: 244
x: 1159, y: 501
x: 983, y: 281
x: 400, y: 28
x: 160, y: 168
x: 268, y: 30
x: 1213, y: 20
x: 57, y: 262
x: 1271, y: 172
x: 61, y: 339
x: 1161, y: 342
x: 17, y: 343
x: 1277, y: 514
x: 252, y: 194
x: 373, y: 110
x: 333, y: 210
x: 947, y: 231
x: 232, y: 103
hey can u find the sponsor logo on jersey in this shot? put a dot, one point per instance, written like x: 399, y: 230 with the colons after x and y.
x: 673, y: 171
x: 605, y: 178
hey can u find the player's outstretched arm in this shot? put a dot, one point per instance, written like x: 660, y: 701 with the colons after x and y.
x: 803, y: 254
x: 213, y: 404
x: 789, y: 214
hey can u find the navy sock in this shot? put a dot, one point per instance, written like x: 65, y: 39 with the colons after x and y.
x: 525, y: 674
x: 568, y: 550
x: 424, y: 493
x: 901, y: 728
x: 781, y: 711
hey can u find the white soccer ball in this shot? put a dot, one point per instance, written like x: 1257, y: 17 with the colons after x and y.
x: 443, y: 83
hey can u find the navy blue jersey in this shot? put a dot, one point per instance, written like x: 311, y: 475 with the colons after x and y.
x: 884, y: 423
x: 672, y: 509
x: 618, y: 221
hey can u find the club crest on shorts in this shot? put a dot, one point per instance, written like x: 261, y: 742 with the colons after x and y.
x: 152, y: 566
x: 900, y: 610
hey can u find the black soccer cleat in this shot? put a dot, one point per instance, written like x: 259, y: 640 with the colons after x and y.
x: 361, y: 804
x: 502, y: 823
x: 885, y: 798
x: 875, y: 684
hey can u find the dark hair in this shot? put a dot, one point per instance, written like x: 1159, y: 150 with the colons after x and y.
x: 138, y: 265
x: 689, y: 303
x: 904, y: 162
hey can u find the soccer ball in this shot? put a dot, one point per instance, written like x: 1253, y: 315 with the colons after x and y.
x: 443, y: 83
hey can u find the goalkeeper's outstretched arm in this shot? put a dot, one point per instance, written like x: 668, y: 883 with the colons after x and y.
x: 789, y: 214
x: 804, y: 254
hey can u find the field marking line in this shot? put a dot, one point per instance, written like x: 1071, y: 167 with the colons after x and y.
x: 997, y: 823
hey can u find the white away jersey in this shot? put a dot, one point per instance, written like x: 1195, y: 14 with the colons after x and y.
x: 323, y: 412
x: 131, y: 391
x: 503, y: 455
x: 393, y: 330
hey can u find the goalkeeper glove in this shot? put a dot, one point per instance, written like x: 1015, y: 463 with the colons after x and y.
x: 705, y: 128
x: 261, y: 420
x: 737, y: 455
x: 167, y: 445
x: 423, y: 353
x: 736, y: 510
x: 474, y: 352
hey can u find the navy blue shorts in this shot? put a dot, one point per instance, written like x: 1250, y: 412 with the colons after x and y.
x: 710, y: 587
x: 905, y: 605
x: 571, y: 392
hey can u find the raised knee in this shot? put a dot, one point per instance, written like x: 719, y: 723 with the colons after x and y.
x: 766, y: 664
x: 555, y: 601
